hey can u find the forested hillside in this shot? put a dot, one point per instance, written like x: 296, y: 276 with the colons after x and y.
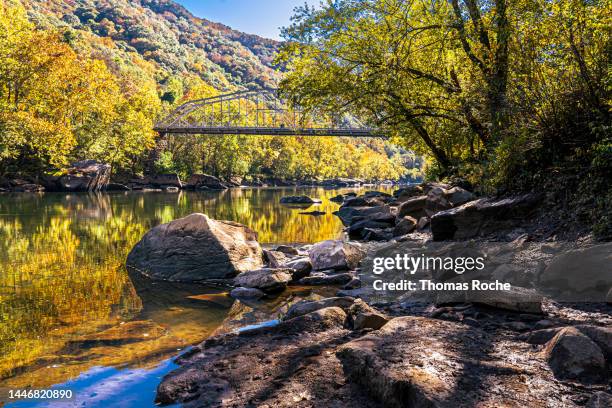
x: 88, y: 79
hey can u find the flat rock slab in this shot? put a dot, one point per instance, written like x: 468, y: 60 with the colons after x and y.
x: 289, y: 365
x: 422, y: 362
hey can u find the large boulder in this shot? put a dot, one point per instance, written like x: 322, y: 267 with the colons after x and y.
x: 269, y: 280
x: 356, y: 230
x: 517, y: 299
x: 85, y: 175
x: 482, y: 216
x: 196, y: 248
x: 574, y: 356
x: 335, y: 254
x: 300, y: 267
x: 205, y: 182
x: 583, y: 274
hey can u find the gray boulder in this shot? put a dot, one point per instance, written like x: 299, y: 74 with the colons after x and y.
x: 268, y: 280
x: 573, y: 356
x: 300, y: 267
x: 196, y: 248
x: 413, y: 207
x: 166, y: 180
x: 405, y: 226
x: 335, y: 254
x: 436, y: 201
x: 275, y: 258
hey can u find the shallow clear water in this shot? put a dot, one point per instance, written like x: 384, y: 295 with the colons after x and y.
x: 71, y: 316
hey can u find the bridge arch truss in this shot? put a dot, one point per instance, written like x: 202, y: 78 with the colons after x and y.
x: 257, y: 112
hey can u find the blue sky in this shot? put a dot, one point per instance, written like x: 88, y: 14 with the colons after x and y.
x: 261, y: 17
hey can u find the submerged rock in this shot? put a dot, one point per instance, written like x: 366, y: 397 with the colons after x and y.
x: 299, y: 200
x: 196, y: 248
x: 247, y: 293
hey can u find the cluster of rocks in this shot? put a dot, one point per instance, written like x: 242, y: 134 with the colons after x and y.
x: 451, y: 212
x: 325, y: 263
x: 377, y: 216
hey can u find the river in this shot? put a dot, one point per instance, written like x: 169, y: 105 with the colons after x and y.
x: 72, y: 318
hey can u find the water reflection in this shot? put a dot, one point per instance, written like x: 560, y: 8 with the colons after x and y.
x: 68, y: 305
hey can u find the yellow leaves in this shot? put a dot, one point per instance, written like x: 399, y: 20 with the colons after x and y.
x: 58, y: 105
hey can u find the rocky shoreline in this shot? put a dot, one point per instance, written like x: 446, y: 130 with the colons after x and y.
x: 531, y: 345
x: 90, y: 175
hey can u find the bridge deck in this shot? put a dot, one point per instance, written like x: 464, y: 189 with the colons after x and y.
x: 268, y: 131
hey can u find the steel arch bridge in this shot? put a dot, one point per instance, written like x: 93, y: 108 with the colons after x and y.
x: 259, y: 112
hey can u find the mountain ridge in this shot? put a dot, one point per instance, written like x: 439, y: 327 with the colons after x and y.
x: 168, y: 35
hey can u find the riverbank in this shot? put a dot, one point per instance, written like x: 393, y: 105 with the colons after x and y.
x: 366, y: 346
x: 89, y: 175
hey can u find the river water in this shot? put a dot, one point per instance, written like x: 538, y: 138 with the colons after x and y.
x: 72, y: 318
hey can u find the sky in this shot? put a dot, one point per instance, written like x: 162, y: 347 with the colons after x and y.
x: 261, y: 17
